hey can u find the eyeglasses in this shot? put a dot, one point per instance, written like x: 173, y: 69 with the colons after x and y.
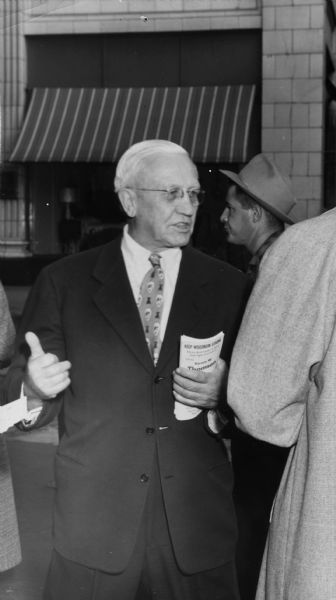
x: 196, y: 197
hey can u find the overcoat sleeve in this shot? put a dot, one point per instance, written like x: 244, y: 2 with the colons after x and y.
x: 7, y: 330
x: 284, y: 335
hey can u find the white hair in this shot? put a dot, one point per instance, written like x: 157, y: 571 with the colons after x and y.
x: 130, y: 162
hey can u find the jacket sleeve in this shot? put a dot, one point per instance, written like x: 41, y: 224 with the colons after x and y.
x: 42, y: 315
x: 219, y: 422
x: 283, y: 337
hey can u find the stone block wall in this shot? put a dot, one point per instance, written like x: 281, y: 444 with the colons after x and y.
x: 293, y: 95
x: 101, y: 16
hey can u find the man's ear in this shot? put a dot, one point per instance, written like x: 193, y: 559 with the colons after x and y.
x: 128, y: 201
x: 256, y: 213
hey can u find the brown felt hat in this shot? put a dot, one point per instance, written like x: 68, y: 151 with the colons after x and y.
x: 262, y: 180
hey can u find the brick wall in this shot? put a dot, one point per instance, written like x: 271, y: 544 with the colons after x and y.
x: 293, y: 97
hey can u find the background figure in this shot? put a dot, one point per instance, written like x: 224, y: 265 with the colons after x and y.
x: 257, y: 208
x: 143, y: 500
x: 282, y: 387
x: 10, y: 552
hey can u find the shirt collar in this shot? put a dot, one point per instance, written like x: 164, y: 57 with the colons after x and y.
x: 266, y: 244
x: 253, y: 266
x: 139, y: 255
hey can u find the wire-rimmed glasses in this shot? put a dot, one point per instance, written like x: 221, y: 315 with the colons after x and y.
x: 195, y: 195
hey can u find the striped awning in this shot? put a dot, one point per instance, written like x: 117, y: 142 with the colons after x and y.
x: 99, y: 124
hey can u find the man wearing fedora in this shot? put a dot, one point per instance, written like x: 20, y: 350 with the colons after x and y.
x: 257, y: 208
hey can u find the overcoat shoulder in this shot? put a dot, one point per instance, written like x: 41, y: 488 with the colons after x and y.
x: 282, y: 387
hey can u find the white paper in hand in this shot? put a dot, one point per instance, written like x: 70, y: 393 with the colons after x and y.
x: 12, y: 413
x: 199, y: 355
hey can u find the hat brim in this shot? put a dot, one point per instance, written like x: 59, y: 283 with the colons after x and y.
x: 277, y: 213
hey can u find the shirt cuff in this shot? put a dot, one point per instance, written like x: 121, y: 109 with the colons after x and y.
x: 32, y: 414
x: 216, y: 423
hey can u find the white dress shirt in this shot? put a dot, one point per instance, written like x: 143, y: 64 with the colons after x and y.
x: 137, y: 264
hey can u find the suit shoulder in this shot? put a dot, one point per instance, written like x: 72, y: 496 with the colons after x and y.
x: 78, y: 264
x: 216, y: 267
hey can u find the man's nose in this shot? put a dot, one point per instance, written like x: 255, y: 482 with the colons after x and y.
x: 224, y: 216
x: 185, y: 204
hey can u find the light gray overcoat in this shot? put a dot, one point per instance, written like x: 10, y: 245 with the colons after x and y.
x: 282, y: 387
x: 10, y: 551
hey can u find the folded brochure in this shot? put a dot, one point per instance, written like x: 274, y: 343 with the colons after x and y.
x: 12, y: 413
x: 199, y: 355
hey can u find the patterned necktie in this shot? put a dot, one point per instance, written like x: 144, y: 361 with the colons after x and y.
x: 150, y: 304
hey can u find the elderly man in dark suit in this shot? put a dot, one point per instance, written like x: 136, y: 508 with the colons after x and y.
x: 143, y: 502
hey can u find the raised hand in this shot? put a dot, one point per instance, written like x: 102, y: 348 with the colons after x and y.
x: 46, y: 376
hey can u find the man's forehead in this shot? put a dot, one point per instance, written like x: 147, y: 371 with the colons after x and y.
x: 164, y: 160
x: 231, y: 193
x: 235, y: 193
x: 169, y: 167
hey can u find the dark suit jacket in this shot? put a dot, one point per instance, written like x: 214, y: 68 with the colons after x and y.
x: 82, y: 308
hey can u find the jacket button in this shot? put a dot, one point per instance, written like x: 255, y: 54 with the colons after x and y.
x: 150, y: 430
x: 144, y: 478
x: 158, y: 379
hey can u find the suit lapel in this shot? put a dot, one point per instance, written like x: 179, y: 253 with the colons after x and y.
x: 189, y: 303
x: 115, y: 300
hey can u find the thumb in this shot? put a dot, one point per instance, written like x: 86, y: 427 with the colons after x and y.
x: 33, y: 342
x: 221, y: 364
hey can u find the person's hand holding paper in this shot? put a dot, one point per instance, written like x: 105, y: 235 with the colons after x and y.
x: 197, y: 382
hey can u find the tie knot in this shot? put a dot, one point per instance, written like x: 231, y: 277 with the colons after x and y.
x: 154, y: 259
